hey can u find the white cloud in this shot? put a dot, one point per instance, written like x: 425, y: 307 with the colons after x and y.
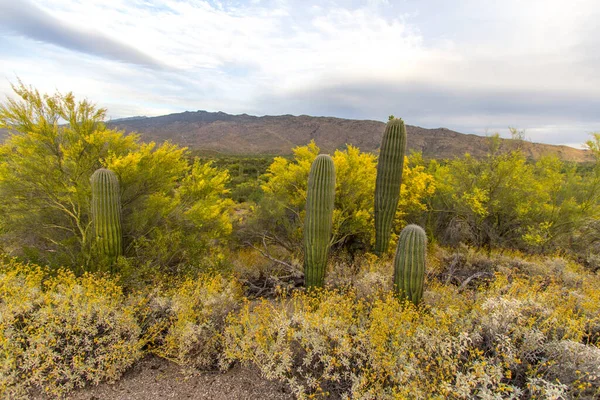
x: 266, y: 56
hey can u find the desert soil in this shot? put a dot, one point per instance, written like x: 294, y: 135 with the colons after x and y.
x: 155, y: 378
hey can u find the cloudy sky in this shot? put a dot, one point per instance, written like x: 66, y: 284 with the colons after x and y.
x: 474, y: 66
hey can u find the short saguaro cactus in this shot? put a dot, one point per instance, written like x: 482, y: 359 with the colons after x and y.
x: 409, y: 263
x: 106, y: 213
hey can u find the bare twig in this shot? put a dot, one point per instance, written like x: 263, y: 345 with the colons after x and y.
x: 291, y: 269
x: 452, y: 268
x: 476, y: 275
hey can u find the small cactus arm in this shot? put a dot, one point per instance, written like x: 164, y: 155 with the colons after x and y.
x: 106, y: 212
x: 319, y: 215
x: 409, y: 263
x: 388, y: 181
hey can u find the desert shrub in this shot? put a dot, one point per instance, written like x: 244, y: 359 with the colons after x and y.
x: 368, y: 275
x: 504, y: 200
x: 421, y: 354
x: 195, y: 313
x: 266, y: 270
x: 336, y: 343
x: 61, y: 332
x: 575, y: 365
x: 175, y: 212
x: 307, y: 340
x: 542, y: 389
x: 506, y: 337
x: 21, y: 295
x: 176, y: 216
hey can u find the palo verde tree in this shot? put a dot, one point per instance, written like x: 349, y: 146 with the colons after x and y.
x: 54, y: 146
x: 172, y: 210
x: 505, y: 200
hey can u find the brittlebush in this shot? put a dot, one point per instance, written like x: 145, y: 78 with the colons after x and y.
x: 530, y: 332
x: 62, y: 332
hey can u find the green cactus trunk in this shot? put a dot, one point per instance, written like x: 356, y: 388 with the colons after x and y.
x: 319, y: 215
x: 409, y: 263
x: 387, y: 184
x: 106, y: 213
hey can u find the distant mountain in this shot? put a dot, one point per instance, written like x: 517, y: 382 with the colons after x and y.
x: 221, y: 133
x: 245, y: 134
x: 128, y: 119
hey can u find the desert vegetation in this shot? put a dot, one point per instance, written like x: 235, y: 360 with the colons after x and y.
x: 350, y: 275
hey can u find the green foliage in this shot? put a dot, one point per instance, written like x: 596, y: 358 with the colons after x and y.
x: 503, y: 200
x: 245, y: 172
x: 409, y: 263
x: 45, y: 167
x: 594, y: 145
x: 389, y: 180
x: 174, y: 213
x: 106, y: 213
x: 319, y: 213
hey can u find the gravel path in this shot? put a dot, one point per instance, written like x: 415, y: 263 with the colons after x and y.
x: 155, y: 378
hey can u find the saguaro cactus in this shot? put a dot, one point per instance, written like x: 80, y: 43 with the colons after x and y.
x: 389, y: 179
x: 106, y: 212
x: 319, y: 215
x: 409, y: 263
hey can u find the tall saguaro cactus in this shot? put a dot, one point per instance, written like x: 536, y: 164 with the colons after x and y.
x: 389, y: 179
x: 409, y: 263
x: 106, y: 212
x: 319, y: 215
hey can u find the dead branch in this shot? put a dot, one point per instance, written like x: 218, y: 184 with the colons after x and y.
x: 476, y: 275
x: 289, y: 268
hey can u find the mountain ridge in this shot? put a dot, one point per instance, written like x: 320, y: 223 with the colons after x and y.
x: 243, y: 134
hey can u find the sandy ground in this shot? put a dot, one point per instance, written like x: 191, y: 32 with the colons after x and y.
x: 155, y: 378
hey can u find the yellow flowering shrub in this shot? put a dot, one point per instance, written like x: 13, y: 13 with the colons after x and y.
x: 196, y: 314
x: 20, y: 296
x: 531, y: 330
x: 60, y: 332
x: 308, y: 340
x: 528, y: 328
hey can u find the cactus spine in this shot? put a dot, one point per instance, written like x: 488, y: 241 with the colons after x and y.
x: 409, y: 263
x: 389, y: 179
x: 319, y: 214
x: 106, y: 212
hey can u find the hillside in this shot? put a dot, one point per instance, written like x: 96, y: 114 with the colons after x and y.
x: 245, y: 134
